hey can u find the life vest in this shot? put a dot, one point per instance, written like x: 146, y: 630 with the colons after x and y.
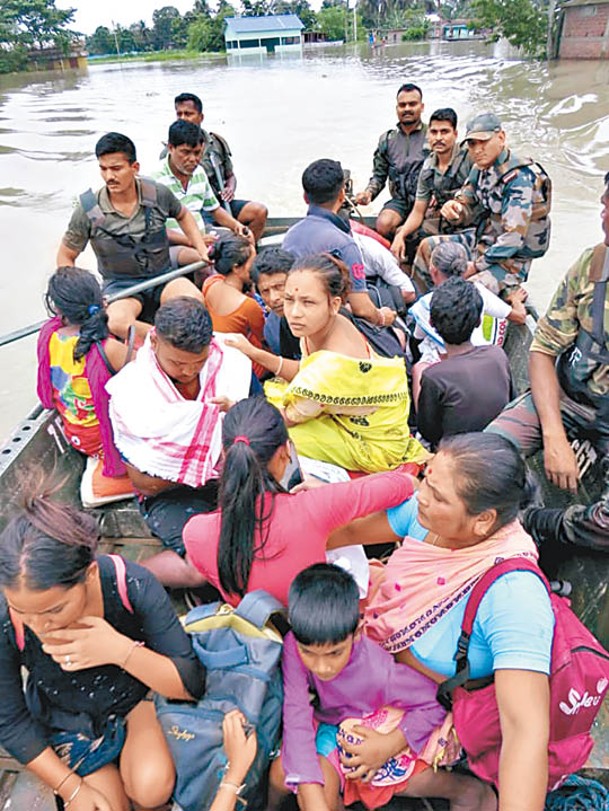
x: 403, y: 181
x: 122, y: 256
x: 577, y: 365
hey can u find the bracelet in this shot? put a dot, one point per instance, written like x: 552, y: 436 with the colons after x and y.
x: 61, y: 782
x: 135, y: 644
x: 236, y: 789
x: 73, y: 795
x: 280, y: 367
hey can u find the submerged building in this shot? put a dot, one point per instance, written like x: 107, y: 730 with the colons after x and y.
x: 585, y: 30
x: 276, y: 33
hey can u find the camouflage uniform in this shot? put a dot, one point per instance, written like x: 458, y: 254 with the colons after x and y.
x: 216, y: 146
x: 580, y: 342
x: 435, y: 188
x: 399, y: 157
x: 515, y: 229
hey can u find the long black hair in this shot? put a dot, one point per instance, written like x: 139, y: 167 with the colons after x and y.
x: 47, y: 544
x: 75, y: 294
x: 253, y: 429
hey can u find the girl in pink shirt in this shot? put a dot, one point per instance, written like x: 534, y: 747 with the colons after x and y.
x: 263, y: 536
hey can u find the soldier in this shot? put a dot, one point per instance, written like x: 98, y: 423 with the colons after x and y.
x: 218, y: 167
x: 569, y: 373
x: 515, y: 195
x: 399, y: 157
x: 442, y: 174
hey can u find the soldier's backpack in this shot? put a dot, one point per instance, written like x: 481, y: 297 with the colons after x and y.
x: 240, y: 649
x: 579, y: 677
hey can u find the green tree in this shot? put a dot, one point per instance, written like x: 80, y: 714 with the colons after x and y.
x: 101, y: 41
x: 331, y: 21
x: 164, y: 27
x: 200, y: 34
x: 34, y: 23
x: 522, y: 22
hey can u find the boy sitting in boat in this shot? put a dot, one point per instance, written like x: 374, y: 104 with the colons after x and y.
x: 569, y: 374
x: 515, y: 195
x: 125, y: 222
x: 471, y: 384
x: 269, y: 273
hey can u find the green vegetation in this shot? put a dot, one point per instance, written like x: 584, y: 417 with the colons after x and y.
x: 524, y: 23
x: 27, y: 25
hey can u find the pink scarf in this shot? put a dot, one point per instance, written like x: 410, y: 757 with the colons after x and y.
x: 421, y: 583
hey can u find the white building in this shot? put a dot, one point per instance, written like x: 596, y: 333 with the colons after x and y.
x: 278, y: 33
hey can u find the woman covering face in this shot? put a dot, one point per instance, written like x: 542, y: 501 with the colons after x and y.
x: 95, y: 634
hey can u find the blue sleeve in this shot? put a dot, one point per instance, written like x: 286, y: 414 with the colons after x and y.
x: 516, y: 620
x: 353, y: 259
x: 403, y: 519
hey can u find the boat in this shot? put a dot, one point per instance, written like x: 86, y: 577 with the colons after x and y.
x: 38, y: 442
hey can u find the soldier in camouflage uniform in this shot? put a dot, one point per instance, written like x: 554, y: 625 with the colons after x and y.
x: 443, y: 173
x: 515, y: 195
x: 398, y: 157
x: 569, y: 397
x: 218, y: 166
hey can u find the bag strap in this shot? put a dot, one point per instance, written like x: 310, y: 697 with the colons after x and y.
x: 257, y: 607
x: 515, y: 564
x: 121, y: 581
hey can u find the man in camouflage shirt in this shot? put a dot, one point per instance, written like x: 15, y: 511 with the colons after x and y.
x: 515, y: 195
x: 569, y: 397
x: 443, y: 173
x: 218, y: 166
x: 398, y: 157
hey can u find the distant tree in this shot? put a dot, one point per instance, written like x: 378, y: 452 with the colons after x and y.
x: 331, y: 21
x: 522, y: 22
x: 101, y: 41
x: 301, y: 8
x: 164, y: 27
x: 142, y: 36
x: 256, y: 8
x: 200, y: 34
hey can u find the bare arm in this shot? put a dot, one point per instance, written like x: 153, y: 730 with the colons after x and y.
x: 54, y: 772
x: 559, y: 459
x: 413, y: 221
x: 148, y: 485
x: 66, y: 257
x: 372, y: 529
x: 523, y: 699
x: 116, y: 352
x: 363, y: 307
x: 288, y: 369
x: 189, y: 226
x: 225, y: 220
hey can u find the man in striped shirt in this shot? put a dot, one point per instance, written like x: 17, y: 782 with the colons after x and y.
x: 182, y: 173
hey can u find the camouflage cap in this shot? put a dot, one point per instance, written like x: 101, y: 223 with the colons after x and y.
x: 482, y: 127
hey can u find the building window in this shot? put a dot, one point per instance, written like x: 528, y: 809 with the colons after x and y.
x: 250, y: 43
x: 290, y: 40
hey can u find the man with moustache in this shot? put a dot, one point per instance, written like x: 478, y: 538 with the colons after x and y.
x: 218, y: 165
x: 183, y: 175
x: 569, y: 397
x: 125, y: 221
x: 442, y: 174
x: 398, y: 157
x: 515, y: 196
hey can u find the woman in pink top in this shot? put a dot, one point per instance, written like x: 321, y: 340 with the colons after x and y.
x: 262, y: 537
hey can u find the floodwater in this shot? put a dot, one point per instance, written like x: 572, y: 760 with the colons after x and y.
x: 278, y: 114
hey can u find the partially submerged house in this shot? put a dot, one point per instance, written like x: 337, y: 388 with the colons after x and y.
x: 276, y: 33
x: 585, y: 30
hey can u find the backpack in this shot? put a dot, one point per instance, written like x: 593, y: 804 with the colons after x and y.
x: 579, y: 677
x: 241, y: 652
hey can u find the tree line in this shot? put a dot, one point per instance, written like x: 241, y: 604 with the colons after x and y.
x: 27, y: 25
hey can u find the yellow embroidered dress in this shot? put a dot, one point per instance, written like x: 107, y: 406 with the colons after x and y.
x: 350, y: 412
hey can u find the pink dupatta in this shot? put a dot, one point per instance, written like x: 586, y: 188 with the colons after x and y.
x: 421, y: 583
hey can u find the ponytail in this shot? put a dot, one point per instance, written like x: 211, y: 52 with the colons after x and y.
x: 75, y: 294
x: 252, y: 431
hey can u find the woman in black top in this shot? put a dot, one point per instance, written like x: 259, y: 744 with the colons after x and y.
x: 95, y: 635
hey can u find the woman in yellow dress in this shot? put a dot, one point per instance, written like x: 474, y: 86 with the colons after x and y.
x: 343, y: 403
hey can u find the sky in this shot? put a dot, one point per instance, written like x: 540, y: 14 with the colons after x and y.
x: 91, y: 13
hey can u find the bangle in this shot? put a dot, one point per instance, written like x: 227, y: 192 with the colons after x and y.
x: 236, y: 789
x: 280, y: 367
x: 135, y: 644
x: 61, y: 782
x: 381, y: 318
x: 73, y: 795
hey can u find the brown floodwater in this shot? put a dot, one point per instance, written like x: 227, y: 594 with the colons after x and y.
x: 278, y: 114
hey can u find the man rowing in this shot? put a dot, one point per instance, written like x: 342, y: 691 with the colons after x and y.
x: 125, y: 222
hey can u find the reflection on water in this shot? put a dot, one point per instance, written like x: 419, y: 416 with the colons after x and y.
x: 279, y: 113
